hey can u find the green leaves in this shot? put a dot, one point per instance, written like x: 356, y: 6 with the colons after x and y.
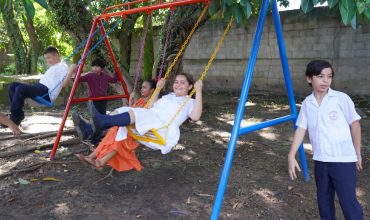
x: 241, y: 10
x: 5, y: 5
x: 363, y: 7
x: 347, y: 10
x: 214, y: 7
x: 332, y: 3
x: 306, y: 5
x: 43, y: 3
x: 30, y: 9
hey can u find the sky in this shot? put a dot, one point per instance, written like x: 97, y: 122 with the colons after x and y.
x: 295, y: 4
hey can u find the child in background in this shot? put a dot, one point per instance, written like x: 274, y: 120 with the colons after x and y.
x: 97, y: 81
x: 112, y: 151
x: 54, y: 79
x: 335, y: 134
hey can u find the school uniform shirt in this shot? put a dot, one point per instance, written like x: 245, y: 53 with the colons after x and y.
x: 98, y: 84
x: 53, y: 79
x: 158, y: 116
x: 328, y: 126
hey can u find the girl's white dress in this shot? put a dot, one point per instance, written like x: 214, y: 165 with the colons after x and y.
x: 158, y: 116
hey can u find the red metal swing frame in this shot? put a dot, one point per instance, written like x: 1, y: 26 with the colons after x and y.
x: 106, y: 15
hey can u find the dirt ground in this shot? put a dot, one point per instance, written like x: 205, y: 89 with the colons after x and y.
x: 179, y: 185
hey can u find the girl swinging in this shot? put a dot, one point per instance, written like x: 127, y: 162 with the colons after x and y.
x: 158, y: 114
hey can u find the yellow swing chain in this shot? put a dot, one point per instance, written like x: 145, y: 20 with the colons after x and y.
x: 157, y: 90
x: 204, y: 73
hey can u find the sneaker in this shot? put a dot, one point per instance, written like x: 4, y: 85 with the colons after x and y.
x: 96, y: 127
x: 83, y: 128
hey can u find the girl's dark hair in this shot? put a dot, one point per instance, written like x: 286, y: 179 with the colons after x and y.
x: 99, y: 62
x: 52, y: 50
x: 188, y: 78
x: 315, y: 67
x: 152, y: 83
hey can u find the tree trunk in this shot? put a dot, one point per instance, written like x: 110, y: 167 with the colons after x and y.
x: 36, y: 47
x: 14, y: 34
x: 148, y: 51
x: 73, y: 16
x: 124, y: 35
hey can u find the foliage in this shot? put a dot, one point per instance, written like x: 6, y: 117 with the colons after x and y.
x: 352, y: 11
x: 50, y: 33
x: 4, y: 39
x: 241, y: 10
x: 9, y: 70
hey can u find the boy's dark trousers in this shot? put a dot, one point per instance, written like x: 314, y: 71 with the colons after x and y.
x: 101, y: 106
x: 334, y: 177
x: 18, y: 92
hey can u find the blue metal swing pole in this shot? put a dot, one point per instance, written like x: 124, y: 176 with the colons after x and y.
x: 239, y: 113
x: 288, y: 82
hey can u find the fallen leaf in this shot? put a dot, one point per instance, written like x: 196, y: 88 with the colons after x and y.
x: 50, y: 179
x: 37, y: 151
x: 12, y: 199
x: 300, y: 195
x: 23, y: 181
x: 34, y: 180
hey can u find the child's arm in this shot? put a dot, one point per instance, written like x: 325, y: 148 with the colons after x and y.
x: 131, y: 99
x: 198, y: 107
x: 111, y: 79
x: 292, y: 162
x: 13, y: 127
x: 160, y: 85
x: 71, y: 71
x: 356, y: 139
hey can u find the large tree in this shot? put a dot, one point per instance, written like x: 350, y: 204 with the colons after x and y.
x: 14, y: 33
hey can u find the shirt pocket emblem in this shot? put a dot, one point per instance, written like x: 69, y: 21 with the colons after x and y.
x: 333, y: 115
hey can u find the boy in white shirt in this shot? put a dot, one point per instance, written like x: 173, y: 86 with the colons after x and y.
x: 50, y: 83
x: 335, y: 134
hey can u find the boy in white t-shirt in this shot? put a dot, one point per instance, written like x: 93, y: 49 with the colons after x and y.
x: 54, y: 79
x: 335, y: 134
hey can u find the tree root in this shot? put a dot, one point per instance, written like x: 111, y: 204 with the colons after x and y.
x: 110, y: 174
x: 37, y: 135
x: 39, y: 164
x: 31, y: 148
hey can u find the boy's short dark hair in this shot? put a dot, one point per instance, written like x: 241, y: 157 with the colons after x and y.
x: 315, y: 67
x: 99, y: 62
x: 52, y: 50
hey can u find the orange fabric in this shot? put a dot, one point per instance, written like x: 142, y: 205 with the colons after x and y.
x: 140, y: 103
x: 125, y: 159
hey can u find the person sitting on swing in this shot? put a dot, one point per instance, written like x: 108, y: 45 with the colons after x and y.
x: 54, y: 79
x: 84, y: 129
x: 160, y: 112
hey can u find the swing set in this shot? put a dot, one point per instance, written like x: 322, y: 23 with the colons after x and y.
x: 127, y: 9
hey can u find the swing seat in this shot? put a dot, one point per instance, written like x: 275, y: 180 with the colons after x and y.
x: 38, y: 101
x: 152, y: 136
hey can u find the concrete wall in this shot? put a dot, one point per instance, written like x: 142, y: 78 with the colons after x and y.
x: 319, y: 35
